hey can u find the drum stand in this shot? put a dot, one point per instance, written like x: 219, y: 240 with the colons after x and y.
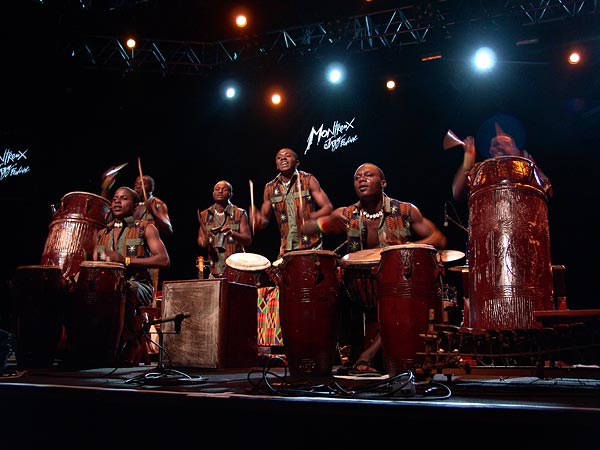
x: 162, y: 375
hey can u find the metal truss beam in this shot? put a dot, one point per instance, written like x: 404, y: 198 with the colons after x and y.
x: 392, y: 28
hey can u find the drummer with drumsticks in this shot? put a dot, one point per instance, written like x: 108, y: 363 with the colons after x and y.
x: 223, y: 229
x: 293, y: 196
x: 375, y: 221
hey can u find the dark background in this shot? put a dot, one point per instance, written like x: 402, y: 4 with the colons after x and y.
x: 76, y: 123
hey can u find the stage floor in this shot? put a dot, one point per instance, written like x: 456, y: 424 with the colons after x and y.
x: 260, y: 406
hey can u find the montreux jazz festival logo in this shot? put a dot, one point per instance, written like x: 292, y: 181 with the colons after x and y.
x: 341, y: 134
x: 12, y: 163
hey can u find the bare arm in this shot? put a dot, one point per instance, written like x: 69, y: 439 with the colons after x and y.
x: 260, y: 217
x: 425, y: 230
x: 324, y: 205
x: 243, y: 236
x: 459, y: 183
x: 160, y: 212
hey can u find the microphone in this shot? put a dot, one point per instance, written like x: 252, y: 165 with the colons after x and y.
x: 178, y: 319
x: 445, y: 214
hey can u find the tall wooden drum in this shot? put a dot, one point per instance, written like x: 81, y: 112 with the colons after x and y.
x: 410, y: 299
x: 510, y: 270
x: 308, y: 303
x: 72, y: 231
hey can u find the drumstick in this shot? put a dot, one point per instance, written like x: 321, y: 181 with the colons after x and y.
x: 142, y: 179
x: 252, y: 202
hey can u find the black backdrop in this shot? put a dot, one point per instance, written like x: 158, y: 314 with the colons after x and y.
x: 75, y: 124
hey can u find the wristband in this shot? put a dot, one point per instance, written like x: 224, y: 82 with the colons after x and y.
x: 127, y: 261
x: 320, y: 223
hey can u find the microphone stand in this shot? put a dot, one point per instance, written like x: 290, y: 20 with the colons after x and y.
x: 162, y: 375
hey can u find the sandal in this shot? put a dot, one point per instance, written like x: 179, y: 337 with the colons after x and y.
x: 364, y: 368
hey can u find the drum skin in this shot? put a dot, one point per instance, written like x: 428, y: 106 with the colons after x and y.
x: 94, y: 320
x: 72, y: 232
x: 39, y: 296
x: 410, y: 299
x: 248, y: 268
x: 308, y: 309
x: 510, y: 270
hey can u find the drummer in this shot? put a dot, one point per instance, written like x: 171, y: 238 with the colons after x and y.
x: 120, y: 242
x: 293, y: 196
x: 223, y: 229
x: 376, y: 220
x: 501, y: 145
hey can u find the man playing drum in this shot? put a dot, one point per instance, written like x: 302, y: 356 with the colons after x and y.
x: 375, y: 221
x: 137, y: 245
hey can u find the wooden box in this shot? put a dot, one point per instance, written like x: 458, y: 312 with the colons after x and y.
x: 221, y: 331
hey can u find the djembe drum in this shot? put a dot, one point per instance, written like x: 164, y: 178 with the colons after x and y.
x: 309, y: 283
x: 247, y: 268
x: 72, y: 232
x: 410, y: 299
x: 95, y: 317
x: 510, y: 270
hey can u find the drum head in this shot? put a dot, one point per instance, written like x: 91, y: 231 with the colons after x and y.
x: 103, y: 264
x: 368, y: 256
x: 247, y: 261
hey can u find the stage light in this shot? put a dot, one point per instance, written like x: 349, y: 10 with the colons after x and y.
x: 484, y: 59
x: 335, y: 73
x: 131, y: 43
x: 574, y: 58
x: 241, y: 21
x: 276, y: 99
x: 390, y: 85
x: 230, y: 92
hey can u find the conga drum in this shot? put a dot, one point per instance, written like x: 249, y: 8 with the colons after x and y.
x: 308, y: 303
x: 72, y: 232
x: 39, y: 295
x: 510, y: 270
x: 95, y: 316
x: 247, y: 268
x: 410, y: 299
x: 359, y: 325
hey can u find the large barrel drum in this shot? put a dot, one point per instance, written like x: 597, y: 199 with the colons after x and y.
x: 309, y: 287
x: 510, y: 270
x: 72, y: 231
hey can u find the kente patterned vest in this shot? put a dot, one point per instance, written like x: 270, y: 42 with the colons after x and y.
x: 395, y: 225
x: 131, y: 242
x: 232, y: 218
x: 277, y: 193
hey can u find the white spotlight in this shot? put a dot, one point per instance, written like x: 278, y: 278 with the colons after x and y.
x: 484, y: 59
x: 335, y: 73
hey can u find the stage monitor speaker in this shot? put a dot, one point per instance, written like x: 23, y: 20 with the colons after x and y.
x: 221, y: 331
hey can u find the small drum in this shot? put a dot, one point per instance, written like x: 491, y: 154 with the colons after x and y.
x: 308, y: 302
x: 410, y: 299
x: 72, y: 232
x: 95, y: 317
x: 39, y: 296
x: 248, y: 268
x: 359, y: 276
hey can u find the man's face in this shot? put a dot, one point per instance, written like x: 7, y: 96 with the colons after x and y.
x: 122, y: 204
x: 503, y: 146
x: 285, y: 160
x: 367, y: 181
x: 221, y: 192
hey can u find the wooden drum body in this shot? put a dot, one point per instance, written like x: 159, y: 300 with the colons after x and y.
x: 248, y: 268
x: 410, y: 298
x: 72, y: 231
x: 39, y: 297
x: 95, y: 317
x: 510, y: 270
x: 308, y: 303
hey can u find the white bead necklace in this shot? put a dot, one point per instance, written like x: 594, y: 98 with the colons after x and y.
x: 377, y: 215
